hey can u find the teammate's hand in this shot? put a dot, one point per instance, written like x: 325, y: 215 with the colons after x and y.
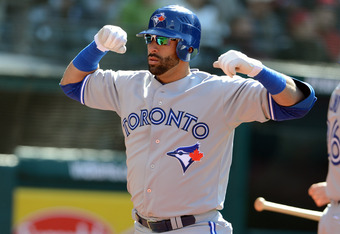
x: 318, y: 193
x: 111, y: 38
x: 234, y: 61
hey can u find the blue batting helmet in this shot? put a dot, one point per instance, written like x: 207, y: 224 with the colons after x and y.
x: 177, y: 22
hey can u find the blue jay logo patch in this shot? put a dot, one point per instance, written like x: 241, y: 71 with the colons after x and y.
x: 158, y: 18
x: 187, y: 155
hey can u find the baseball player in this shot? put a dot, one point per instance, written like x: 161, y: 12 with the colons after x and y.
x: 328, y: 192
x: 179, y: 122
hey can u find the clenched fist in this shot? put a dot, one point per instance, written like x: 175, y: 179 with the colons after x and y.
x: 111, y: 38
x: 234, y: 61
x: 318, y: 193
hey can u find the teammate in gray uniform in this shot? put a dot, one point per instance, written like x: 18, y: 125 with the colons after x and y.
x: 179, y: 122
x: 328, y: 192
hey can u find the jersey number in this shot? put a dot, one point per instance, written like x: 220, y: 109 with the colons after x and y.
x: 334, y: 143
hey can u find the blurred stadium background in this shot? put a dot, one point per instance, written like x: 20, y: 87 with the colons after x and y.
x: 63, y: 162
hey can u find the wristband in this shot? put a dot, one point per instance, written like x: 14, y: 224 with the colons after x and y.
x: 88, y: 59
x: 273, y: 81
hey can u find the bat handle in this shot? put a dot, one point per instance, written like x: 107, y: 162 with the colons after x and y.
x: 259, y: 204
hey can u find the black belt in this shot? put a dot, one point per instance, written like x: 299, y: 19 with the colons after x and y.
x: 165, y: 225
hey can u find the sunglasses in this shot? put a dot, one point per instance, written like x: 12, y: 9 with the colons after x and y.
x: 158, y: 39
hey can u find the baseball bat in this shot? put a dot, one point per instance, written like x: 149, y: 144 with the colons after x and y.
x: 261, y: 204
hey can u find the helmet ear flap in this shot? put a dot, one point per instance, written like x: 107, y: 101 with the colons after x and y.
x: 185, y: 52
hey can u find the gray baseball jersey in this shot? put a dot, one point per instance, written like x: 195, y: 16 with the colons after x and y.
x: 333, y: 146
x: 178, y: 136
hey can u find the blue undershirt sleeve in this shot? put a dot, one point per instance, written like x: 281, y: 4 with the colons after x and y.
x: 75, y: 90
x: 299, y: 110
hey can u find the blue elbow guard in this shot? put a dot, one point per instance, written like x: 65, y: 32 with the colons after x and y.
x: 74, y: 90
x: 299, y: 110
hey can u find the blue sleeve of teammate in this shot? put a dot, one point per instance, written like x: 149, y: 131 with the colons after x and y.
x: 299, y: 110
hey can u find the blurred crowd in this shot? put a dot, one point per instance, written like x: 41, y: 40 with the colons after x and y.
x: 296, y: 30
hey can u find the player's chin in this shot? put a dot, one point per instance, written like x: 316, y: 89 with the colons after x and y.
x: 151, y: 68
x: 156, y: 70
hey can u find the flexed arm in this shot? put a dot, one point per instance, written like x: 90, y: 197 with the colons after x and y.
x: 282, y: 87
x: 108, y: 38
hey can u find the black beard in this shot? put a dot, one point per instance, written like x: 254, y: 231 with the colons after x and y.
x: 165, y: 65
